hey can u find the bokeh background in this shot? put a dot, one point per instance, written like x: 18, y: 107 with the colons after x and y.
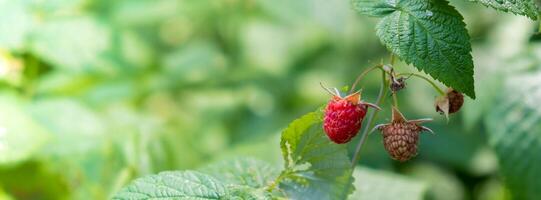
x: 95, y: 93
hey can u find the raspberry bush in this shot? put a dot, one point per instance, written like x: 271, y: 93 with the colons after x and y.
x: 191, y: 99
x: 431, y: 36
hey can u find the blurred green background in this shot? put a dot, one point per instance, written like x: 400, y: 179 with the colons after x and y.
x: 95, y: 93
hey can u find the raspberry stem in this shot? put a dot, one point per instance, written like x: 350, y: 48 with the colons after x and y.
x: 364, y: 135
x: 438, y: 89
x: 395, y: 100
x: 370, y: 122
x: 360, y: 77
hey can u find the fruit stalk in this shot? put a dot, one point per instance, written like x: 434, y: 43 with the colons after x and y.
x: 370, y: 120
x: 438, y: 89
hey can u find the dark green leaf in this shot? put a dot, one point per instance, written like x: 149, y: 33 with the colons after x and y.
x: 513, y: 131
x: 315, y: 167
x: 429, y: 34
x: 519, y: 7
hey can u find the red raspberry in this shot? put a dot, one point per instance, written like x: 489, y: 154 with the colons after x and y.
x: 344, y: 116
x: 400, y: 137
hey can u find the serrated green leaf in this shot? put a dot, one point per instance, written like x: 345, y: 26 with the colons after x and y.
x: 519, y: 7
x: 514, y: 132
x: 315, y: 167
x: 430, y: 35
x: 237, y: 192
x: 189, y: 185
x: 243, y: 171
x: 381, y: 185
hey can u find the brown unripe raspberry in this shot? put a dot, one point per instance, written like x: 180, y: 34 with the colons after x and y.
x: 400, y: 137
x: 456, y: 99
x: 451, y: 102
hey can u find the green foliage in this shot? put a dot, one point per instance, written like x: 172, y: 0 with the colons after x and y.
x: 174, y: 185
x: 13, y: 37
x: 519, y: 7
x: 232, y: 179
x: 429, y: 34
x: 96, y: 93
x: 374, y: 184
x: 245, y: 172
x: 20, y: 137
x: 64, y: 43
x: 513, y: 131
x: 315, y: 167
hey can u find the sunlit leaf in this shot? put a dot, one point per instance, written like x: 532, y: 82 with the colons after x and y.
x: 16, y: 22
x: 74, y: 128
x: 519, y: 7
x: 72, y: 44
x: 20, y: 136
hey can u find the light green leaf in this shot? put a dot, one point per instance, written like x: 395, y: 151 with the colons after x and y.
x: 189, y: 185
x: 243, y: 171
x: 519, y: 7
x: 429, y: 34
x: 514, y: 132
x: 195, y: 62
x: 74, y: 129
x: 16, y: 23
x: 443, y: 185
x: 315, y: 167
x: 237, y: 192
x: 381, y: 185
x: 20, y: 136
x: 74, y: 44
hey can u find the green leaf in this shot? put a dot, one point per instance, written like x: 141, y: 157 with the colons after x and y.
x: 243, y: 171
x: 381, y: 185
x: 17, y: 22
x: 513, y: 131
x: 69, y: 136
x: 373, y: 8
x: 20, y: 136
x: 74, y: 44
x: 429, y: 34
x: 519, y: 7
x: 315, y: 167
x: 174, y: 185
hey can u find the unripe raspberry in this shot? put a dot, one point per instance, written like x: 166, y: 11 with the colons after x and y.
x: 451, y: 102
x: 400, y: 137
x: 456, y: 99
x: 343, y: 117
